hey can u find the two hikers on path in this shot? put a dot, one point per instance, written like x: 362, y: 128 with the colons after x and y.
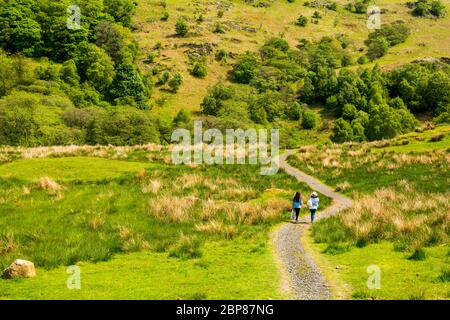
x: 297, y: 202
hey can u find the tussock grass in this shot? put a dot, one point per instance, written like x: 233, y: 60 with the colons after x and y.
x: 409, y: 218
x: 187, y: 247
x: 217, y: 228
x: 170, y: 208
x: 7, y: 243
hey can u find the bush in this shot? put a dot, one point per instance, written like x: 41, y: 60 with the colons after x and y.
x: 302, y: 21
x: 221, y: 55
x: 176, y: 82
x: 362, y: 60
x: 199, y: 70
x: 309, y: 120
x: 378, y: 47
x: 218, y: 28
x: 245, y: 69
x: 181, y: 28
x: 342, y: 131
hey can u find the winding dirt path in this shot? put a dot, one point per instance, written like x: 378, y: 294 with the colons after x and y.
x: 305, y: 279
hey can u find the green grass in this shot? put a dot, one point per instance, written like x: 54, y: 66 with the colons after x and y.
x: 382, y: 163
x: 71, y: 168
x: 401, y: 278
x: 226, y: 270
x: 203, y: 231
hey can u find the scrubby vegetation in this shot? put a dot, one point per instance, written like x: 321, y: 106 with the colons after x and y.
x: 399, y: 197
x: 102, y: 206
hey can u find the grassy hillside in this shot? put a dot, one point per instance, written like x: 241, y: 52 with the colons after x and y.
x: 249, y: 27
x: 400, y: 220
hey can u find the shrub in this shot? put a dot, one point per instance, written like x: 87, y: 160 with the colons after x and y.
x: 165, y: 16
x: 317, y: 15
x: 181, y: 28
x: 342, y: 131
x: 302, y: 21
x: 362, y: 60
x: 309, y: 120
x: 199, y: 70
x: 378, y: 47
x: 218, y: 28
x: 221, y: 55
x: 176, y: 82
x: 245, y: 69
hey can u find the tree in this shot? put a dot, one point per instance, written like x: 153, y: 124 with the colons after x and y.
x: 342, y: 131
x: 309, y: 120
x: 181, y: 28
x: 378, y: 47
x: 69, y: 73
x: 128, y: 83
x: 176, y: 82
x: 437, y: 8
x: 95, y: 65
x: 358, y: 131
x: 245, y: 69
x: 349, y: 112
x: 421, y: 8
x: 213, y: 101
x: 18, y: 126
x: 182, y: 118
x: 19, y: 29
x: 199, y: 70
x: 110, y: 37
x: 121, y: 10
x: 302, y: 21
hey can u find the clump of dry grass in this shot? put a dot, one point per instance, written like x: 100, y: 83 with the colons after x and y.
x: 26, y: 191
x: 342, y: 186
x: 96, y: 223
x: 7, y: 243
x: 195, y: 180
x: 51, y: 186
x: 132, y: 242
x: 141, y: 174
x: 152, y: 186
x: 254, y: 213
x: 241, y: 192
x: 218, y: 228
x: 174, y: 209
x: 408, y: 214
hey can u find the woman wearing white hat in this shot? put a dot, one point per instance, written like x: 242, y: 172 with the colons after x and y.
x: 313, y: 205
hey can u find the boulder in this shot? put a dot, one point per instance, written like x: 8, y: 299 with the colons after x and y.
x: 20, y: 269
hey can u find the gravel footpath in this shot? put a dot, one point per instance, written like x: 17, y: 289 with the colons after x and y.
x: 305, y: 279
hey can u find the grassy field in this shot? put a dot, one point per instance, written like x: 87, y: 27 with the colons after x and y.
x: 248, y: 27
x: 139, y: 227
x: 401, y: 278
x: 400, y: 219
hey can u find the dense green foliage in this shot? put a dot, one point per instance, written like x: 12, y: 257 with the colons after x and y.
x: 370, y: 104
x: 425, y: 8
x: 387, y: 36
